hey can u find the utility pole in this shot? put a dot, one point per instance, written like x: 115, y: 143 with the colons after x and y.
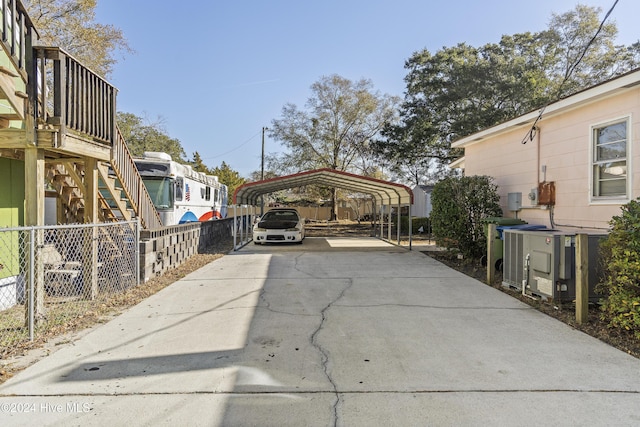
x: 262, y: 172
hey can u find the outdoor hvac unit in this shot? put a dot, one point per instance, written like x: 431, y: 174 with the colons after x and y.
x: 543, y: 262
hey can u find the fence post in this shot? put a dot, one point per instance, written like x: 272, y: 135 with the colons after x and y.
x: 137, y: 249
x: 32, y: 288
x: 582, y: 278
x: 34, y: 310
x: 491, y: 262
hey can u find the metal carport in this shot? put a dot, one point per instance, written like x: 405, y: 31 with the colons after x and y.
x: 382, y: 192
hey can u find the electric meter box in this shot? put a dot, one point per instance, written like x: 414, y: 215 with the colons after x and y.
x: 543, y: 261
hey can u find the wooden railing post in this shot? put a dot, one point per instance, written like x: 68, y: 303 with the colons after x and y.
x: 582, y: 278
x: 59, y: 91
x: 112, y: 131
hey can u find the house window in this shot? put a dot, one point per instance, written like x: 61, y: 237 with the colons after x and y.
x: 610, y: 154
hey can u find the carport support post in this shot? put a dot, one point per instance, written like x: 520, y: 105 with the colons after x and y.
x: 252, y: 215
x: 381, y: 218
x: 398, y: 220
x: 389, y: 223
x: 235, y: 227
x: 582, y: 278
x: 410, y: 227
x: 240, y: 227
x: 491, y: 262
x: 243, y: 215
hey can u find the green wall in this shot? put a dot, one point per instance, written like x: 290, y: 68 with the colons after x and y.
x: 11, y: 214
x: 11, y: 192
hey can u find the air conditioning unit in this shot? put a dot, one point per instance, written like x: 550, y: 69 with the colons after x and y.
x: 543, y: 263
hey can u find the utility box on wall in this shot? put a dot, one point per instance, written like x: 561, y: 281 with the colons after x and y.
x: 533, y: 196
x: 543, y: 263
x: 514, y: 202
x: 547, y: 193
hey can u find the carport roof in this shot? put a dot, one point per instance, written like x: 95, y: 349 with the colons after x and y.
x: 384, y: 192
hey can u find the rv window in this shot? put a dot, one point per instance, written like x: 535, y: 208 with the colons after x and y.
x: 161, y: 191
x: 179, y: 187
x: 208, y: 193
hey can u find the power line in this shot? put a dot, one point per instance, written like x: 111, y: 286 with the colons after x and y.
x: 532, y: 132
x: 235, y: 149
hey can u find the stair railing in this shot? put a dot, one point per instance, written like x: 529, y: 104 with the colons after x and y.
x: 16, y: 33
x: 127, y: 173
x: 84, y: 102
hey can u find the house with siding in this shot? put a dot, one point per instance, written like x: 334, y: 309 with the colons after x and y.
x: 421, y: 206
x: 573, y: 165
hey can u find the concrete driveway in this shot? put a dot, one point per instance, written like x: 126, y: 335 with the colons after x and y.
x: 346, y: 332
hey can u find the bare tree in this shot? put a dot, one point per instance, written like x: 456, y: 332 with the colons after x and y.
x: 71, y: 25
x: 334, y: 131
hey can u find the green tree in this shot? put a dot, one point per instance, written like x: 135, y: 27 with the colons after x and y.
x: 228, y: 177
x: 620, y: 261
x: 459, y: 205
x: 335, y: 129
x: 463, y: 89
x: 198, y: 165
x: 568, y: 36
x: 143, y: 135
x: 71, y: 25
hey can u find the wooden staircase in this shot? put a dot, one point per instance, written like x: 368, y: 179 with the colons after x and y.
x: 70, y: 123
x: 133, y: 188
x: 67, y: 179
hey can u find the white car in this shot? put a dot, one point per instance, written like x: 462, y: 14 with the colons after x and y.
x: 279, y: 225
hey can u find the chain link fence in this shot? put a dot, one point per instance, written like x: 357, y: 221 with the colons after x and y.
x: 51, y: 275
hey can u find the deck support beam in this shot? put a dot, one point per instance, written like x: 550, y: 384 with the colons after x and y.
x: 34, y: 216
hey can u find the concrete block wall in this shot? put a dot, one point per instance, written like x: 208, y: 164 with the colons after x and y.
x: 168, y: 247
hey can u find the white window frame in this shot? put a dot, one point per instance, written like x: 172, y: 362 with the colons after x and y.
x: 607, y: 200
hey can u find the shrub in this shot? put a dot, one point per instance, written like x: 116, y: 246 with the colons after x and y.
x: 416, y: 223
x: 459, y: 205
x: 620, y: 256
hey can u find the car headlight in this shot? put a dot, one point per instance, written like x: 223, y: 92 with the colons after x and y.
x: 259, y: 229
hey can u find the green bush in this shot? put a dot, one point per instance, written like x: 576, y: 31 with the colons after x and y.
x: 459, y: 205
x: 416, y: 223
x: 620, y: 285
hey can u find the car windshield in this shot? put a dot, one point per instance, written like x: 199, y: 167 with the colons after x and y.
x: 280, y: 216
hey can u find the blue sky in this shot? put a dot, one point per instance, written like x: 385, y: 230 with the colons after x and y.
x: 217, y: 72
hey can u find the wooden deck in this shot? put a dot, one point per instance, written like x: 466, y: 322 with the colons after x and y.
x: 59, y: 118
